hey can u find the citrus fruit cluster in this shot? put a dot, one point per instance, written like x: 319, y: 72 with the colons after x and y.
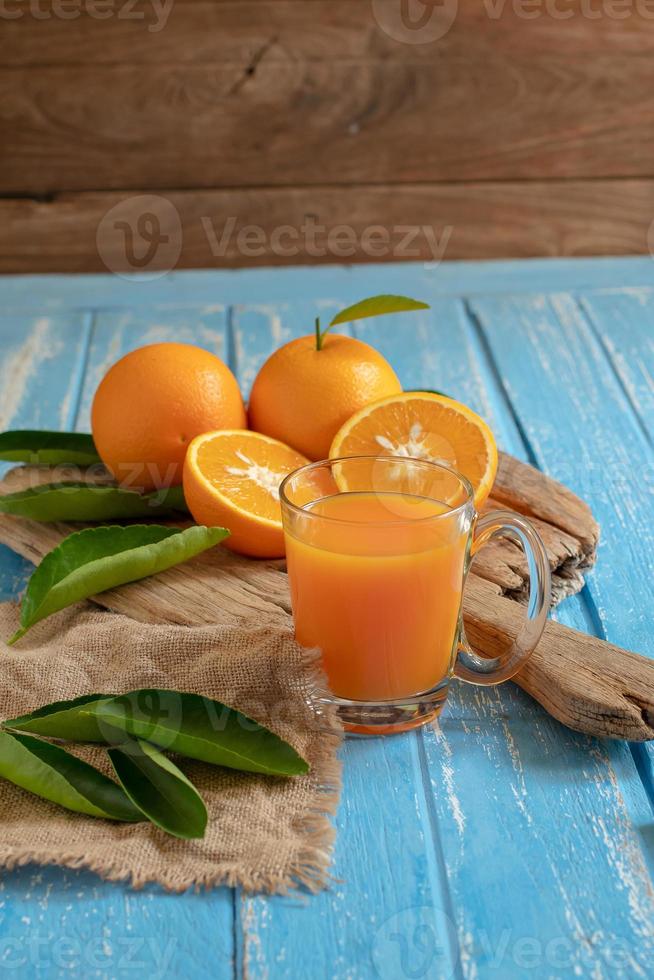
x: 170, y: 413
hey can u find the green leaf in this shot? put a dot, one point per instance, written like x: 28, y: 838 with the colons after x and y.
x: 159, y: 789
x: 200, y: 728
x: 63, y: 719
x: 49, y: 771
x: 378, y: 306
x: 100, y: 558
x: 46, y: 448
x: 90, y: 502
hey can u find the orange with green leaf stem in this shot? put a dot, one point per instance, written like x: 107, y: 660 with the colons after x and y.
x: 308, y: 388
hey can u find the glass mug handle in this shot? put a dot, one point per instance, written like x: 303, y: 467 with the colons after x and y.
x: 483, y: 670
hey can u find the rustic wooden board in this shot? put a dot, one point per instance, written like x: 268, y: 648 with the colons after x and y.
x: 197, y: 31
x: 565, y: 523
x: 514, y: 843
x: 123, y: 126
x: 81, y: 67
x: 623, y: 322
x: 463, y: 220
x: 262, y: 116
x: 587, y: 684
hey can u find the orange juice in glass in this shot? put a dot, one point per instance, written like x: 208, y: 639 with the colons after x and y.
x: 378, y: 548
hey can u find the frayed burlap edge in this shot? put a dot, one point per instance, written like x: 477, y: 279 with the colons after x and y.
x: 310, y: 868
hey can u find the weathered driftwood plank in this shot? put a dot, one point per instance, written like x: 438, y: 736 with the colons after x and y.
x: 195, y: 32
x: 525, y: 489
x: 565, y: 523
x: 587, y: 684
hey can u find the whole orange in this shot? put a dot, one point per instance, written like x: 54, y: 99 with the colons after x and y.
x: 153, y: 402
x: 302, y: 396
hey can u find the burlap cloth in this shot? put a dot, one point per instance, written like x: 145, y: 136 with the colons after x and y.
x: 264, y: 833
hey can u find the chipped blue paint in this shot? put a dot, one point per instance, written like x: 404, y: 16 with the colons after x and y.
x: 54, y: 292
x: 497, y: 844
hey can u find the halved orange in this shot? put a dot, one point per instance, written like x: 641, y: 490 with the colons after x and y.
x: 425, y: 426
x: 231, y: 479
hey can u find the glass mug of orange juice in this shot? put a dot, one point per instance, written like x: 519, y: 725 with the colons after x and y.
x: 378, y: 549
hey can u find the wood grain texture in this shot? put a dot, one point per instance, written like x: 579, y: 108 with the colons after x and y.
x: 473, y: 769
x: 570, y: 441
x: 525, y: 489
x: 70, y: 922
x: 193, y: 293
x: 247, y: 109
x: 518, y: 487
x: 585, y: 683
x: 565, y: 523
x: 588, y: 685
x: 584, y: 393
x: 569, y: 676
x: 569, y: 530
x: 495, y: 752
x: 387, y: 777
x: 622, y: 321
x: 505, y: 842
x: 192, y: 126
x: 400, y: 222
x: 238, y: 31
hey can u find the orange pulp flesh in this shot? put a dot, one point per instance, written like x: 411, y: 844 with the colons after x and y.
x: 379, y: 594
x: 424, y: 426
x: 248, y: 469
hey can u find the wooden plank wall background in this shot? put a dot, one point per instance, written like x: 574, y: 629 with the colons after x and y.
x: 526, y: 129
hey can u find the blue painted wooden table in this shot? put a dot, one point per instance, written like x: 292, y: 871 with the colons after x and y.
x: 500, y: 844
